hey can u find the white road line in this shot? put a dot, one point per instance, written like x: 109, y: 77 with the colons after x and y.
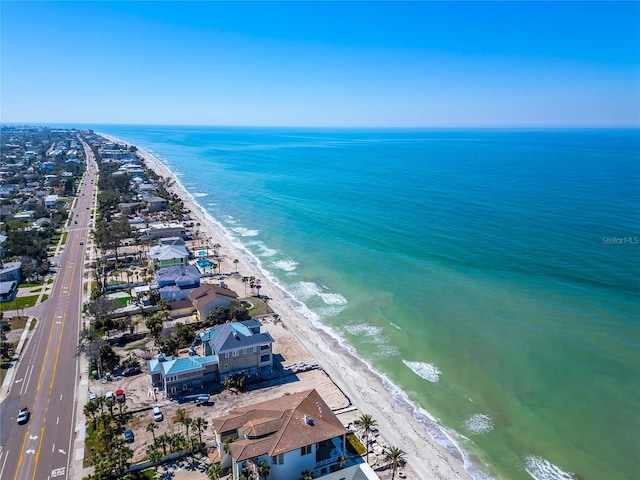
x: 6, y: 455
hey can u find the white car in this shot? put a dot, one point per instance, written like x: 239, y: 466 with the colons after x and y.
x: 157, y: 414
x: 92, y: 397
x: 23, y: 415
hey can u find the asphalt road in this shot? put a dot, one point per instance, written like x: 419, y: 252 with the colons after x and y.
x: 47, y: 373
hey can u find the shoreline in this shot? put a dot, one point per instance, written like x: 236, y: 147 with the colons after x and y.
x: 400, y: 422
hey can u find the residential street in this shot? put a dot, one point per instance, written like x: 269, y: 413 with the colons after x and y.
x: 46, y: 376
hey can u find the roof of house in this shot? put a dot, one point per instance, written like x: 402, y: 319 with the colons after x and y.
x: 280, y: 425
x: 232, y: 336
x: 7, y: 287
x: 174, y: 366
x: 168, y: 252
x: 208, y: 293
x: 179, y: 274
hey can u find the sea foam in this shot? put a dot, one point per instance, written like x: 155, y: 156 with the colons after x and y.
x: 428, y: 371
x: 542, y: 469
x: 245, y: 232
x: 286, y: 265
x: 479, y: 423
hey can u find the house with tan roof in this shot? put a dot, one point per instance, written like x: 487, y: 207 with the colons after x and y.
x: 291, y: 434
x: 208, y: 297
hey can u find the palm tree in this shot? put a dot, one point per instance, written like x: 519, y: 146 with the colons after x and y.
x: 307, y: 475
x: 180, y: 415
x: 396, y: 457
x: 152, y: 427
x: 187, y: 421
x: 214, y: 472
x: 245, y: 280
x: 365, y: 424
x: 200, y: 424
x: 235, y: 264
x: 177, y: 441
x: 164, y: 439
x: 110, y: 403
x: 258, y: 286
x: 154, y: 456
x: 263, y: 469
x: 90, y: 410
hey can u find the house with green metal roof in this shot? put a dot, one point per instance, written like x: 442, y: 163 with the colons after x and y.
x: 216, y: 353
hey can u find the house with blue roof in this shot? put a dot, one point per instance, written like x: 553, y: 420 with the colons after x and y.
x: 217, y: 353
x: 175, y: 283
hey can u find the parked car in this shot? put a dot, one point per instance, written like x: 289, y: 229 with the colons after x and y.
x: 120, y: 397
x: 23, y: 415
x: 109, y: 396
x: 93, y: 397
x: 157, y: 414
x: 128, y: 436
x: 131, y: 371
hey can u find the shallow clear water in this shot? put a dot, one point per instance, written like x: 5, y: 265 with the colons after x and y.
x: 491, y: 275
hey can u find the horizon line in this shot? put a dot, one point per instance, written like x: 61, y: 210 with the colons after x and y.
x: 341, y: 127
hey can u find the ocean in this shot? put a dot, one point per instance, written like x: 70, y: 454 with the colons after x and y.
x: 491, y: 275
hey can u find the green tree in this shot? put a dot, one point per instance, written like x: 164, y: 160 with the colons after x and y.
x: 152, y: 427
x: 154, y: 324
x: 200, y: 424
x: 214, y: 472
x: 307, y: 474
x: 154, y: 456
x: 365, y: 424
x: 90, y: 410
x: 263, y: 469
x: 395, y: 457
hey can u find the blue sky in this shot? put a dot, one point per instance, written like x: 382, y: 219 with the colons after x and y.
x: 415, y: 64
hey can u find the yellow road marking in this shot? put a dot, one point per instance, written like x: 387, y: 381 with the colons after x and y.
x: 24, y: 442
x: 35, y: 469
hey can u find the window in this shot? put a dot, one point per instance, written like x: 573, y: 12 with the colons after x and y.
x: 244, y: 351
x: 226, y: 366
x: 278, y: 459
x: 306, y: 450
x: 226, y: 354
x: 264, y: 358
x: 264, y: 347
x: 236, y: 353
x: 254, y: 349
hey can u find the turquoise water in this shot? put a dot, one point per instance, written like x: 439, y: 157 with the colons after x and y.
x: 491, y: 275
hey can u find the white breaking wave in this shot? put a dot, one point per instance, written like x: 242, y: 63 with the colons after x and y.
x: 333, y: 298
x: 200, y: 194
x: 306, y: 290
x: 286, y: 265
x: 428, y: 371
x: 245, y: 232
x: 479, y: 423
x: 542, y: 469
x: 364, y: 330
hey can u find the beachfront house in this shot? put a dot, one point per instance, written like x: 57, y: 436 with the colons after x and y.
x: 155, y: 204
x: 291, y: 434
x: 163, y: 256
x: 208, y: 297
x: 176, y: 283
x: 217, y: 353
x: 162, y: 230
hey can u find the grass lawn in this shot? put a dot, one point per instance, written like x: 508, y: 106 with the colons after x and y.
x: 30, y: 284
x: 64, y: 237
x: 124, y: 301
x: 45, y: 297
x: 19, y: 302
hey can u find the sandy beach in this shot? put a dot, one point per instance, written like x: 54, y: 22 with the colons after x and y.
x: 397, y: 425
